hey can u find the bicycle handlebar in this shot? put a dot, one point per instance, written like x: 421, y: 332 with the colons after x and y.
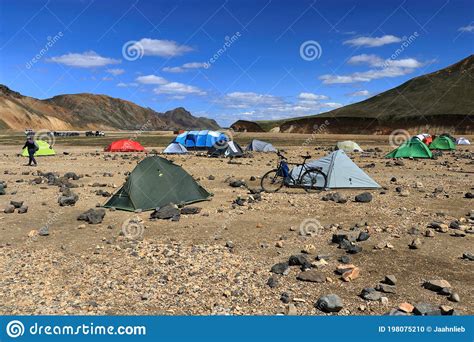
x: 281, y: 155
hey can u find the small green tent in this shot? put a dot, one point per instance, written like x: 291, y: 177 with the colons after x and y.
x: 413, y: 148
x: 156, y: 182
x: 44, y: 149
x: 442, y: 143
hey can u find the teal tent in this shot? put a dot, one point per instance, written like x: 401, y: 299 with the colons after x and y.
x: 341, y: 172
x: 156, y: 182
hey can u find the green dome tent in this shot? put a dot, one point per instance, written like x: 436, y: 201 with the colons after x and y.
x: 156, y: 182
x: 44, y: 149
x: 413, y: 148
x: 442, y: 143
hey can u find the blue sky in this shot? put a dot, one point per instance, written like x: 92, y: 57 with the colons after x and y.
x: 229, y: 60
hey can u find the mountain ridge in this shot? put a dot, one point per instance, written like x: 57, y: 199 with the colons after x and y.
x: 439, y: 101
x: 85, y: 111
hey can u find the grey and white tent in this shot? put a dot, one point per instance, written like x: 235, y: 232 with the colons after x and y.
x: 175, y: 148
x: 348, y: 146
x: 230, y: 149
x: 463, y: 141
x: 341, y: 172
x: 260, y: 146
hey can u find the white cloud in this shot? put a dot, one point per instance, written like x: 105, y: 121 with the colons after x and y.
x: 173, y: 69
x: 115, y: 72
x: 366, y: 59
x: 185, y: 67
x: 162, y: 48
x: 331, y: 105
x: 403, y: 63
x: 384, y: 72
x: 338, y: 79
x: 247, y: 99
x: 311, y: 97
x: 264, y: 106
x: 194, y: 65
x: 125, y: 85
x: 373, y: 41
x: 176, y: 88
x: 359, y: 93
x: 377, y: 61
x: 468, y: 28
x: 366, y: 76
x: 381, y: 68
x: 151, y: 79
x: 88, y: 59
x: 107, y: 79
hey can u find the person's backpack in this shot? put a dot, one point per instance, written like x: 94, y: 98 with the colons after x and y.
x: 36, y: 146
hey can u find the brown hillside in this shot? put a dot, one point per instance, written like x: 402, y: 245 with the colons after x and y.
x: 89, y: 111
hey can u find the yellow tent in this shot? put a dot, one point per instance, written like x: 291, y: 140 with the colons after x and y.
x: 43, y: 149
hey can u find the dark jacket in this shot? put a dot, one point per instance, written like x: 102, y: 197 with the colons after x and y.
x: 31, y: 145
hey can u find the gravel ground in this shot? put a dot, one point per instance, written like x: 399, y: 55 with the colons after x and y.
x: 219, y: 261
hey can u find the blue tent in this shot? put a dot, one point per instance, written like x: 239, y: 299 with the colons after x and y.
x: 175, y: 148
x: 201, y: 139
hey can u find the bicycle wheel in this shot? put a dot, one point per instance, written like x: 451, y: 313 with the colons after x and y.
x: 313, y: 180
x: 272, y: 181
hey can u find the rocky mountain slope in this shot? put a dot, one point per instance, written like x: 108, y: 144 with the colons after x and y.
x: 436, y: 102
x: 89, y: 111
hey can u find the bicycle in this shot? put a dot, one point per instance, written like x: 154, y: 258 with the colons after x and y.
x: 310, y: 178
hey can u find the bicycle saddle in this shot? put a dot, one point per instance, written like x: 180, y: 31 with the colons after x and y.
x: 306, y: 157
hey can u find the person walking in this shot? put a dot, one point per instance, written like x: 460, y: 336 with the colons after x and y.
x: 32, y: 147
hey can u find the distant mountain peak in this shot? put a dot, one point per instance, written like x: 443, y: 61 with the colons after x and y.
x: 86, y: 111
x: 439, y: 101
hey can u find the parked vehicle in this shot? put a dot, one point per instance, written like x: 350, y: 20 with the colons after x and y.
x: 95, y: 134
